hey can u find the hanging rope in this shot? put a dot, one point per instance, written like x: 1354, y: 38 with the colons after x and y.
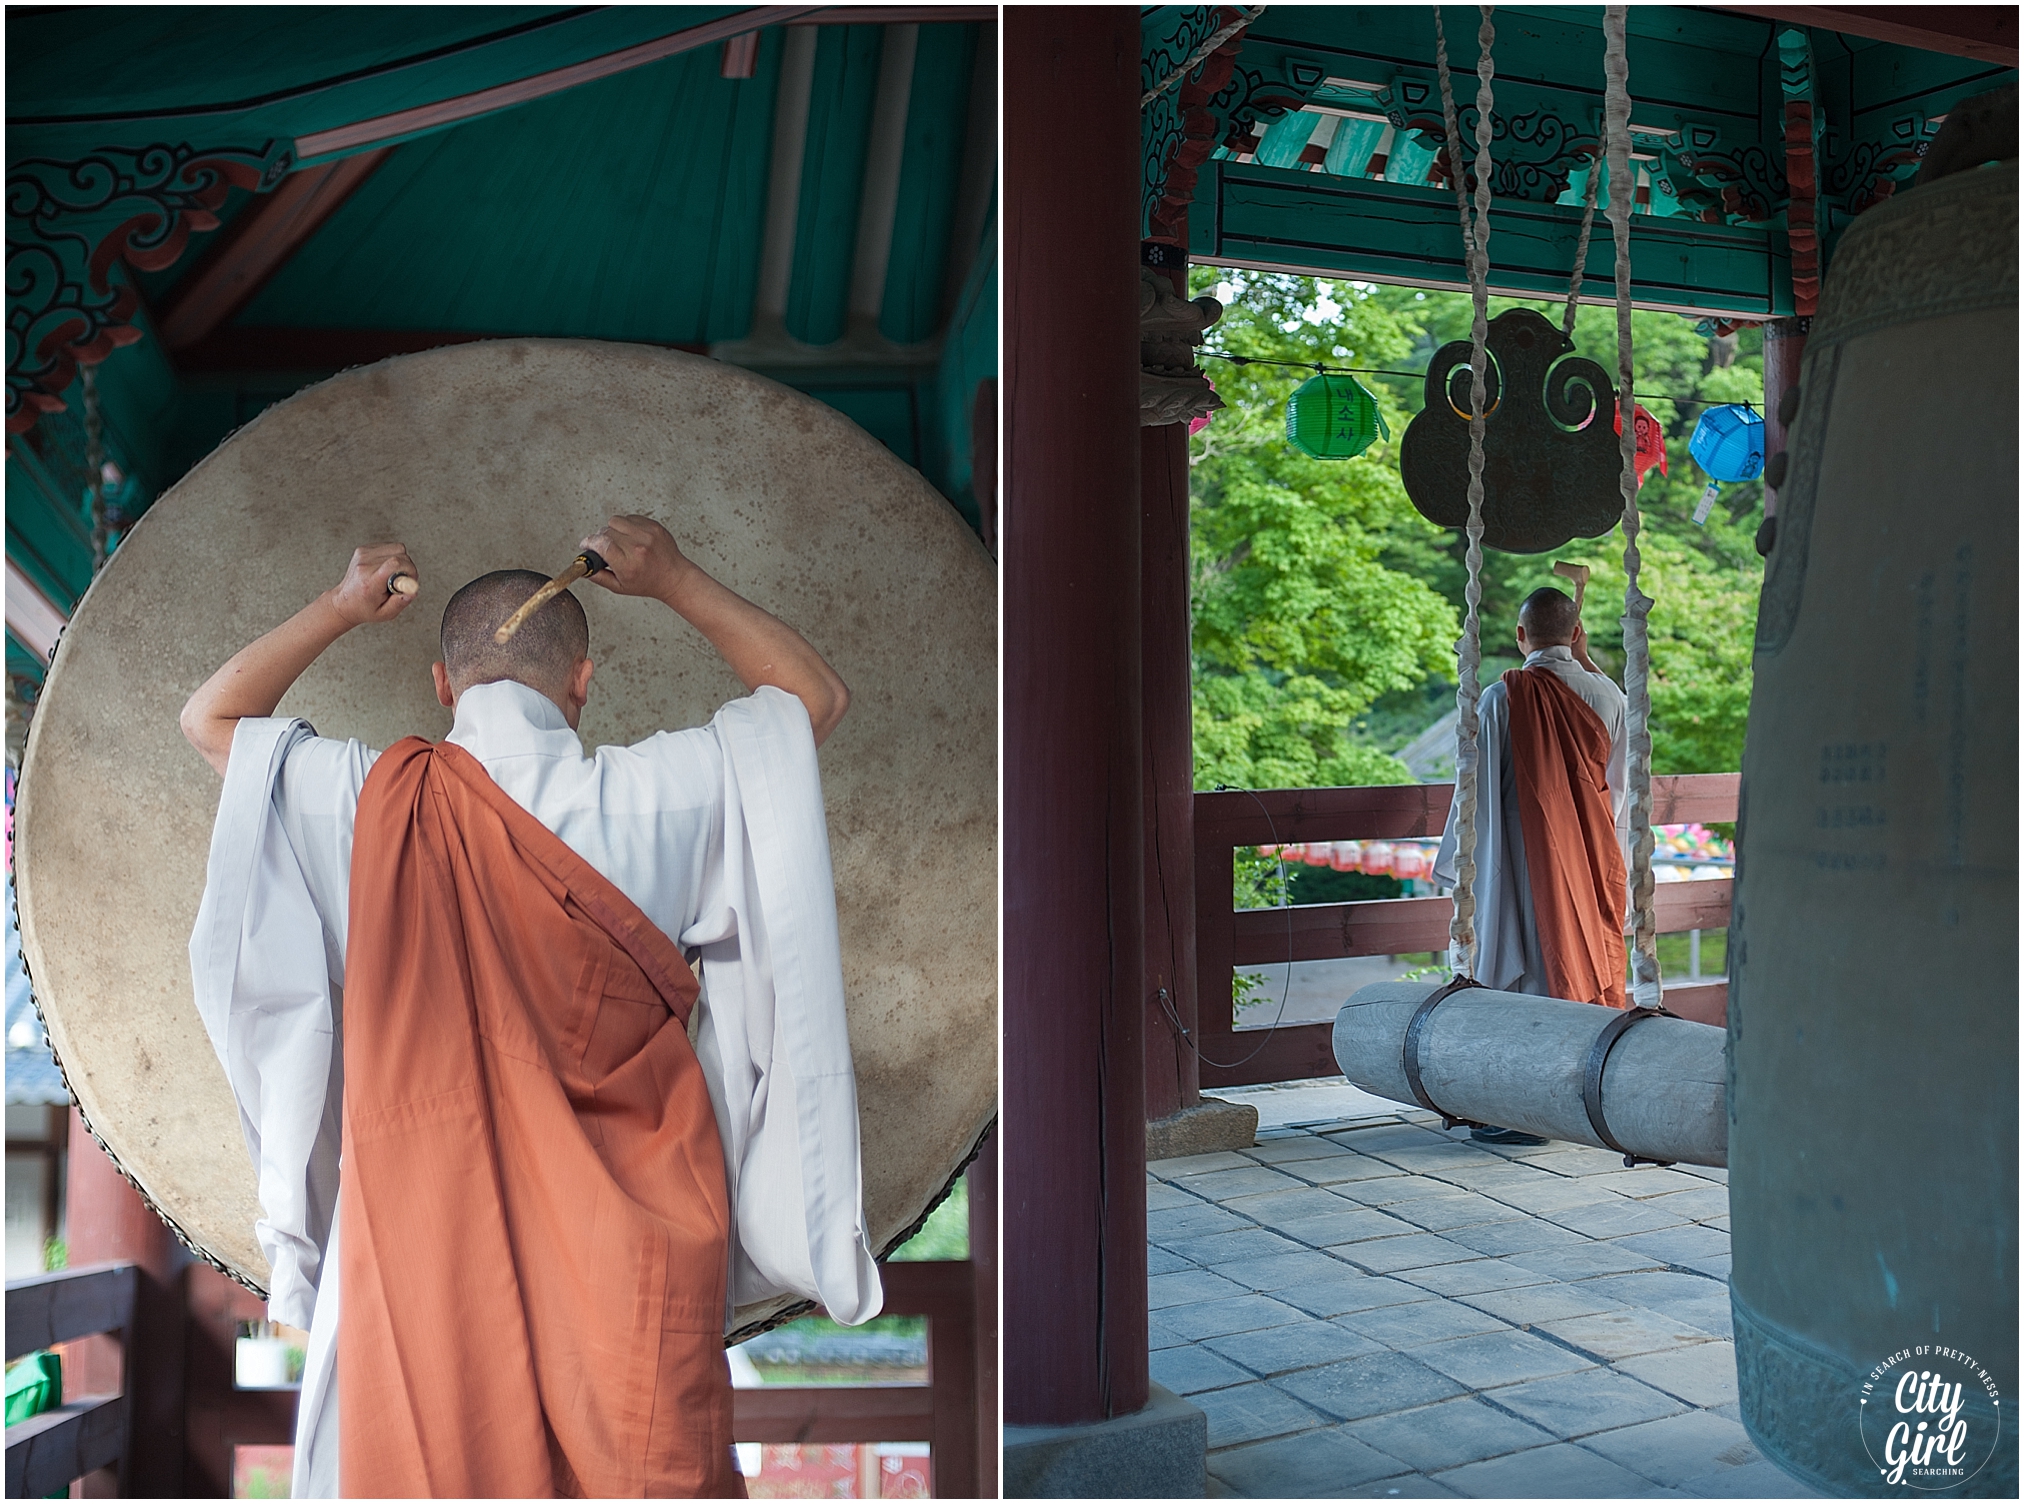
x: 94, y: 462
x: 1645, y: 985
x: 1469, y: 652
x: 1196, y: 58
x: 1581, y: 247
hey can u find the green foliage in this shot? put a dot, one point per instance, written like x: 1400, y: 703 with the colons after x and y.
x: 946, y: 1233
x: 55, y: 1254
x: 1327, y: 609
x: 1298, y: 625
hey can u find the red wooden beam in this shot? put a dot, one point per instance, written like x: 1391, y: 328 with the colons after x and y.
x: 801, y: 1413
x: 385, y: 128
x: 1987, y: 33
x: 256, y: 245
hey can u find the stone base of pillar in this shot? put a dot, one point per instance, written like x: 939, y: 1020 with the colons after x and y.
x: 1160, y: 1452
x: 1209, y: 1127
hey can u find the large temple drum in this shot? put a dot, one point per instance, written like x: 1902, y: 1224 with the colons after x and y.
x: 1873, y: 959
x: 505, y: 454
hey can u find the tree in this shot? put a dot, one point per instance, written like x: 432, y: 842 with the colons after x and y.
x: 1298, y: 624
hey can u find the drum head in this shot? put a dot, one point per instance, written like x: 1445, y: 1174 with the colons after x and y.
x: 488, y: 456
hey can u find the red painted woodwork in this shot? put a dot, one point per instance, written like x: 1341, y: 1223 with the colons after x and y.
x: 1172, y: 1081
x: 219, y: 1417
x: 741, y: 56
x: 1987, y: 32
x: 383, y: 129
x: 1784, y: 349
x: 1074, y: 823
x: 106, y: 1220
x: 257, y: 244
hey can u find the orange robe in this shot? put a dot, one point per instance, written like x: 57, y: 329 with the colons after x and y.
x: 1573, y: 863
x: 536, y: 1228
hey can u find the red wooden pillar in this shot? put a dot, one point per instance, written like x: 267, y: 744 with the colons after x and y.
x: 106, y: 1219
x: 1074, y: 814
x: 1784, y: 349
x: 984, y: 1301
x: 1173, y: 1071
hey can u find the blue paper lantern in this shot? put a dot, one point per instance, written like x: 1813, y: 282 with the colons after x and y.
x: 1728, y: 443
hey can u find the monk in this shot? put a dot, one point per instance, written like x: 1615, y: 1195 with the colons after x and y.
x: 1551, y: 832
x: 451, y: 985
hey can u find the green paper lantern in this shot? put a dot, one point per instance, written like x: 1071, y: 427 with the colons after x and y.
x: 1333, y: 418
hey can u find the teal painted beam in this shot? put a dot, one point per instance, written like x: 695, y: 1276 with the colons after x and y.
x: 937, y: 118
x: 1335, y: 227
x: 832, y: 180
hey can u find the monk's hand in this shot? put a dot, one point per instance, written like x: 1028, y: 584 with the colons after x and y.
x: 1579, y: 646
x: 641, y: 558
x: 366, y: 593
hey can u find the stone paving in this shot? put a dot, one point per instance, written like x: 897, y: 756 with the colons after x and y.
x: 1379, y: 1309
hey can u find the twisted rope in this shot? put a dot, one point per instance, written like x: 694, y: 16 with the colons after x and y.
x: 94, y: 462
x: 1644, y: 962
x: 1469, y: 652
x: 1581, y: 247
x: 1201, y: 53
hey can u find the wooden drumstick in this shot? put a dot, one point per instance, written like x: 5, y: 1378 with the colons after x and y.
x: 1577, y: 573
x: 403, y: 584
x: 585, y: 563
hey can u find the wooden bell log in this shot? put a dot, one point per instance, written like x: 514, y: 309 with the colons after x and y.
x: 1514, y: 1061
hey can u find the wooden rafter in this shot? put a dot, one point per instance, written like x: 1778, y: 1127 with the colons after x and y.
x: 1984, y: 32
x: 256, y: 245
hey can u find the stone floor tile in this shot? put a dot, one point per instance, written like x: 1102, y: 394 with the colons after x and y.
x: 1559, y: 1471
x: 1419, y: 1323
x: 1197, y: 1164
x: 1191, y: 1369
x: 1678, y: 1449
x: 1572, y: 1159
x: 1648, y: 1180
x: 1423, y: 1159
x: 1579, y: 1404
x: 1585, y: 1261
x: 1285, y: 1271
x: 1217, y: 1318
x: 1348, y: 1223
x: 1474, y: 1277
x: 1313, y: 1464
x: 1160, y: 1335
x: 1188, y: 1287
x: 1299, y: 1205
x: 1341, y: 1171
x: 1535, y: 1305
x: 1659, y: 1288
x: 1161, y: 1197
x: 1753, y: 1480
x: 1491, y: 1360
x: 1251, y: 1180
x: 1196, y: 1220
x: 1228, y: 1247
x: 1339, y: 1297
x: 1450, y: 1434
x: 1215, y: 1488
x: 1711, y: 1316
x: 1501, y: 1172
x: 1375, y: 1385
x: 1721, y: 1222
x: 1549, y: 1194
x: 1391, y: 1255
x: 1701, y: 1205
x: 1388, y: 1136
x: 1159, y: 1261
x: 1524, y: 1234
x: 1715, y: 1265
x: 1616, y: 1219
x: 1288, y: 1349
x: 1701, y: 1375
x: 1676, y: 1244
x: 1405, y: 1486
x: 1390, y: 1190
x: 1252, y: 1412
x: 1624, y: 1334
x: 1464, y: 1209
x: 1303, y: 1146
x: 1717, y: 1173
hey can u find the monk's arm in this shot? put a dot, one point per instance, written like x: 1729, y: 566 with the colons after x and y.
x: 255, y: 678
x: 644, y: 559
x: 1579, y: 647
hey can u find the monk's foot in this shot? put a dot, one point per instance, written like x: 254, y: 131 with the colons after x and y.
x: 1504, y: 1136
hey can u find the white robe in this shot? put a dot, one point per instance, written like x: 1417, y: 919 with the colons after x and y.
x: 716, y: 833
x: 1507, y: 935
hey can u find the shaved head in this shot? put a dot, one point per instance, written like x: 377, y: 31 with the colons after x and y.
x: 541, y: 655
x: 1548, y: 617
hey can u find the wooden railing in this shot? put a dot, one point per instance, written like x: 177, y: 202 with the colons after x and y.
x: 47, y: 1452
x: 1227, y: 938
x: 941, y: 1412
